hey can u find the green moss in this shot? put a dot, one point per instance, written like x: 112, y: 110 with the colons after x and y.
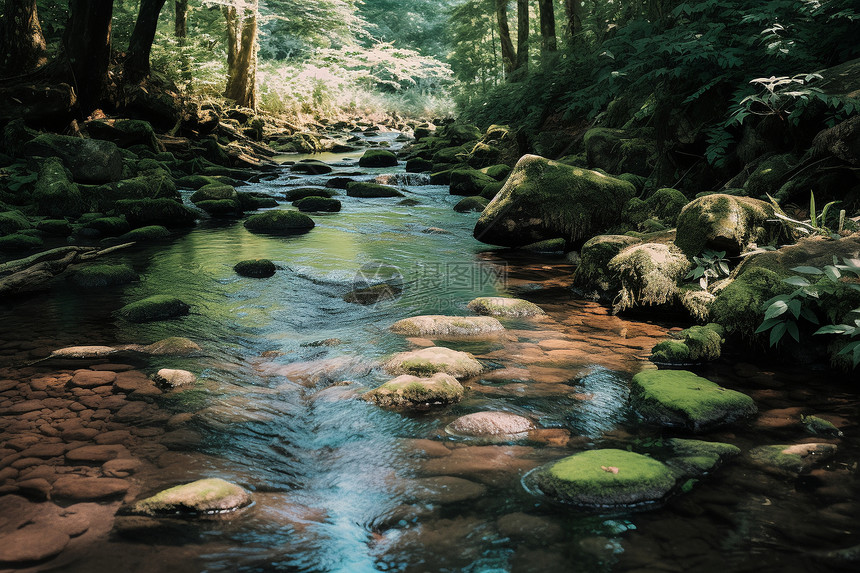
x: 468, y: 182
x: 377, y: 158
x: 594, y: 260
x: 20, y: 242
x: 490, y: 190
x: 371, y: 190
x: 738, y: 307
x: 255, y: 268
x: 95, y: 276
x: 109, y: 226
x: 670, y: 352
x: 704, y: 342
x: 497, y: 172
x: 323, y: 204
x: 55, y: 195
x: 819, y: 426
x: 202, y: 496
x: 410, y: 392
x: 700, y: 447
x: 302, y: 192
x: 418, y: 165
x: 616, y: 152
x: 145, y: 234
x: 792, y: 459
x: 213, y: 192
x: 12, y: 221
x: 665, y: 205
x: 221, y: 207
x: 467, y: 204
x: 455, y: 155
x: 680, y: 398
x: 252, y: 201
x: 158, y: 307
x: 770, y: 175
x: 587, y: 478
x: 311, y: 167
x: 56, y: 227
x: 278, y: 222
x: 548, y: 246
x: 195, y: 181
x: 649, y: 274
x: 434, y: 359
x: 544, y: 199
x: 459, y: 133
x: 165, y: 212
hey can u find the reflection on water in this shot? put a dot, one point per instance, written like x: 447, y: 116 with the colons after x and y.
x: 341, y: 485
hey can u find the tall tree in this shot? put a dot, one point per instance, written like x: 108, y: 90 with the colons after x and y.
x: 509, y: 56
x: 241, y: 17
x: 180, y: 24
x: 549, y: 44
x: 22, y: 45
x: 86, y: 45
x: 136, y: 65
x: 522, y: 35
x: 573, y: 8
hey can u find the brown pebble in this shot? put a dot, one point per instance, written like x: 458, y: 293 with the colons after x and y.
x: 92, y: 378
x: 88, y: 488
x: 101, y: 453
x: 32, y: 543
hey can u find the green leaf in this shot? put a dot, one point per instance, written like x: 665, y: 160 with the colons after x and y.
x: 807, y: 313
x: 835, y: 329
x: 832, y: 273
x: 776, y: 333
x: 791, y: 328
x: 776, y: 309
x: 796, y: 281
x: 808, y: 270
x: 794, y: 306
x: 767, y: 325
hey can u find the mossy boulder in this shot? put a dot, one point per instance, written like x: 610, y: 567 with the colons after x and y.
x: 126, y: 133
x: 770, y: 175
x: 408, y: 391
x: 55, y: 195
x: 158, y: 307
x: 253, y: 201
x: 451, y: 156
x: 483, y: 154
x: 195, y: 181
x: 664, y: 205
x: 13, y: 221
x: 471, y: 204
x: 727, y: 223
x: 221, y: 207
x: 491, y: 190
x: 648, y: 274
x: 146, y: 234
x: 418, y: 165
x: 503, y: 306
x: 149, y: 184
x: 255, y: 268
x: 147, y: 212
x: 311, y: 167
x: 468, y: 182
x: 89, y: 160
x: 377, y: 158
x: 302, y: 192
x: 214, y: 192
x: 692, y: 345
x: 608, y: 477
x: 433, y: 359
x: 592, y: 272
x: 694, y: 458
x: 616, y: 151
x: 277, y: 222
x: 460, y: 133
x: 456, y: 326
x: 678, y: 398
x: 109, y: 226
x: 792, y: 459
x: 55, y: 227
x: 96, y: 276
x: 202, y: 497
x: 20, y: 242
x: 544, y: 199
x: 318, y: 204
x: 369, y: 190
x: 498, y: 172
x: 820, y: 427
x: 549, y: 246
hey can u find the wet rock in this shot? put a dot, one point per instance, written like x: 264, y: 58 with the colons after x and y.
x: 32, y: 543
x: 678, y: 398
x: 311, y: 167
x: 471, y: 204
x: 792, y: 459
x: 444, y: 490
x: 89, y: 160
x: 592, y: 272
x: 374, y: 294
x: 820, y: 427
x: 533, y: 529
x: 173, y: 346
x: 488, y: 464
x: 503, y: 306
x: 364, y: 189
x: 88, y: 488
x: 544, y: 199
x: 278, y: 222
x: 172, y: 378
x: 413, y: 392
x: 648, y: 274
x: 469, y: 182
x: 377, y: 158
x: 326, y: 370
x: 97, y: 453
x: 153, y: 308
x: 204, y: 496
x: 55, y: 195
x: 303, y: 192
x: 606, y: 477
x: 501, y: 426
x: 318, y: 204
x: 255, y: 268
x: 692, y: 345
x: 91, y: 379
x: 161, y: 211
x: 98, y: 276
x: 437, y: 325
x: 431, y: 360
x: 697, y: 457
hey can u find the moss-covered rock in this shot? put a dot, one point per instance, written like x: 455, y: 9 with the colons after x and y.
x: 255, y: 268
x: 727, y: 223
x: 109, y: 226
x: 694, y: 344
x: 149, y: 184
x: 673, y: 352
x: 55, y: 227
x: 311, y: 167
x: 253, y: 201
x: 770, y: 175
x: 437, y: 325
x: 158, y: 307
x: 89, y: 160
x: 366, y: 189
x: 195, y: 181
x: 20, y: 242
x: 483, y: 154
x: 468, y: 182
x: 214, y: 192
x: 491, y: 190
x: 413, y: 392
x: 696, y: 457
x: 173, y: 346
x: 377, y: 158
x: 593, y: 272
x: 555, y: 246
x: 12, y: 221
x: 318, y: 204
x: 503, y: 306
x: 418, y: 165
x: 95, y: 276
x: 792, y: 459
x: 664, y: 205
x: 498, y: 172
x: 820, y: 427
x: 146, y: 234
x: 617, y: 152
x: 126, y: 133
x: 55, y: 195
x: 460, y: 133
x: 164, y: 212
x: 221, y: 207
x: 428, y: 361
x: 452, y: 156
x: 609, y: 477
x: 471, y: 204
x: 302, y: 192
x: 543, y: 199
x: 201, y: 497
x: 649, y: 274
x: 278, y: 222
x: 677, y: 398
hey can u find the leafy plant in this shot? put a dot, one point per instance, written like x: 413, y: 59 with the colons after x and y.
x: 709, y: 265
x: 850, y: 330
x: 816, y: 223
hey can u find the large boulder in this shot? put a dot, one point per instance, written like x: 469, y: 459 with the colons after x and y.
x: 663, y: 206
x: 438, y: 325
x: 89, y: 160
x: 469, y: 182
x: 278, y: 222
x: 648, y: 274
x: 367, y: 190
x: 103, y: 275
x: 544, y: 199
x: 55, y: 195
x: 841, y: 141
x: 318, y: 204
x: 615, y: 151
x: 609, y: 477
x: 471, y: 204
x: 205, y: 496
x: 408, y: 391
x: 377, y: 158
x: 433, y: 359
x: 163, y: 212
x: 593, y: 274
x: 301, y: 192
x: 677, y: 398
x: 126, y: 133
x: 727, y: 223
x: 158, y: 307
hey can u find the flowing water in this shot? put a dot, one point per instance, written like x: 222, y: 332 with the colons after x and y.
x: 342, y: 485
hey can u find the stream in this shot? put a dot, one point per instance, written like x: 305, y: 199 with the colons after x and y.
x: 341, y: 485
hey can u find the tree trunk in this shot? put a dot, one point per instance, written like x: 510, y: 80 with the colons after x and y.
x: 574, y: 20
x: 136, y: 66
x: 547, y: 28
x: 86, y: 44
x: 241, y: 55
x: 509, y: 57
x: 522, y: 36
x: 22, y: 45
x: 180, y: 25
